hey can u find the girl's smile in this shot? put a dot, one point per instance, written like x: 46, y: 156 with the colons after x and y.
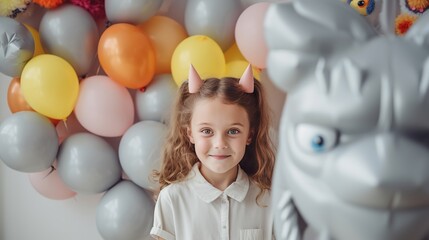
x: 220, y: 157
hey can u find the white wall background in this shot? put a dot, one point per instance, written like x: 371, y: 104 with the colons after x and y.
x: 27, y: 215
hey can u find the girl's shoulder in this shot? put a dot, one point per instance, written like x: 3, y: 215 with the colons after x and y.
x: 176, y: 190
x: 254, y: 191
x: 181, y: 187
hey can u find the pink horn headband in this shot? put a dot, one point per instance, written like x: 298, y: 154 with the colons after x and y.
x: 246, y: 80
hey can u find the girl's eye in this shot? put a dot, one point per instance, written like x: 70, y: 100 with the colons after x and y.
x: 206, y: 131
x: 315, y: 139
x: 233, y: 131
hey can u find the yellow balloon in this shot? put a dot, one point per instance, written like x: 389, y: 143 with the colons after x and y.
x: 203, y: 53
x: 50, y: 86
x: 236, y: 69
x: 38, y: 49
x: 236, y: 63
x: 233, y: 54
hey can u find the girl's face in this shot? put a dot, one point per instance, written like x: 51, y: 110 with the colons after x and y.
x: 220, y: 133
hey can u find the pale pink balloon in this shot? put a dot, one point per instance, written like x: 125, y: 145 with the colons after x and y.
x: 49, y: 184
x: 249, y: 34
x: 104, y: 107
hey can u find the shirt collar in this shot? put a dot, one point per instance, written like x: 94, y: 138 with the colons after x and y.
x: 206, y: 192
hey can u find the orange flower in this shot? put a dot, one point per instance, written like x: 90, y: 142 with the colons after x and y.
x: 49, y: 3
x: 403, y: 22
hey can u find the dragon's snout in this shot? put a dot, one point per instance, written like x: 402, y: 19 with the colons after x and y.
x: 383, y: 171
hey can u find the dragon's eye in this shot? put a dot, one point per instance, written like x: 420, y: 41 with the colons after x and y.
x: 314, y: 138
x: 361, y: 3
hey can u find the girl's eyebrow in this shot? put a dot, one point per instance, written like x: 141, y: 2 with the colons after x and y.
x: 203, y: 123
x: 233, y: 124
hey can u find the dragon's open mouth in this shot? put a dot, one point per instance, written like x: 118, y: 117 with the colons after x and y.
x: 391, y: 200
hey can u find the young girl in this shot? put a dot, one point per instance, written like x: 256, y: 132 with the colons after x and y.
x: 217, y: 164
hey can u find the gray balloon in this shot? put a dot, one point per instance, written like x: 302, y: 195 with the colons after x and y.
x: 16, y: 46
x: 131, y: 11
x: 28, y: 142
x: 215, y: 19
x: 248, y: 3
x: 72, y: 34
x: 174, y: 9
x: 140, y: 152
x: 154, y: 103
x: 125, y: 212
x: 88, y: 164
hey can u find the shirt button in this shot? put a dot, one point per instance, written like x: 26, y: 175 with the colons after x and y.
x: 224, y: 227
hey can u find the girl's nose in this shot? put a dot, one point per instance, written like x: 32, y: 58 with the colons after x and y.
x: 220, y: 143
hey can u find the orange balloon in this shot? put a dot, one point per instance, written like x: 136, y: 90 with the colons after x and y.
x: 165, y: 34
x: 15, y: 99
x: 126, y: 55
x: 54, y: 121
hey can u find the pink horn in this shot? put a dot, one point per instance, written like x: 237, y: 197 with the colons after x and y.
x: 247, y: 81
x: 194, y: 80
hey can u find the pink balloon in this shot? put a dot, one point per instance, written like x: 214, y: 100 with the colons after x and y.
x: 104, y: 107
x: 50, y: 185
x: 249, y: 34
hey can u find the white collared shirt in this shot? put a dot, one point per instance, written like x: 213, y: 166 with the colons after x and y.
x: 194, y: 209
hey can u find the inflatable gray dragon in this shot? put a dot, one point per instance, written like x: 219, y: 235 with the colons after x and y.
x: 353, y: 159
